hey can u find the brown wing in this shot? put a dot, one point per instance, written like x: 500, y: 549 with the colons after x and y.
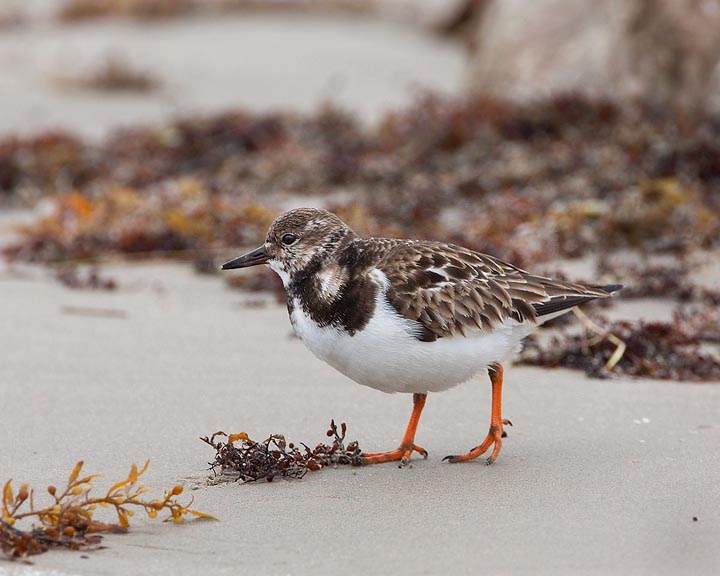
x: 450, y: 289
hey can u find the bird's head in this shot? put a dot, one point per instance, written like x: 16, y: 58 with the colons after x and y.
x: 296, y: 240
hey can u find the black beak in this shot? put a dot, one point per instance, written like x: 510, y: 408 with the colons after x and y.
x: 254, y: 258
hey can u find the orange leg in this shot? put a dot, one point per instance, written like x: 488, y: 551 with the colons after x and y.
x: 407, y: 446
x: 496, y: 433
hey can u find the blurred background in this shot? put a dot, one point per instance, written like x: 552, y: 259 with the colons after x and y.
x: 572, y: 137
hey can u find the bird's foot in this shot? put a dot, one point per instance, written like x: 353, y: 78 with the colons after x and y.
x: 493, y: 438
x: 402, y: 454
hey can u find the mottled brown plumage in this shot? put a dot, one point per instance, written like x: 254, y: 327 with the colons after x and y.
x: 450, y: 289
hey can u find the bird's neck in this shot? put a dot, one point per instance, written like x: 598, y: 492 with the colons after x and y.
x: 329, y: 289
x: 326, y: 273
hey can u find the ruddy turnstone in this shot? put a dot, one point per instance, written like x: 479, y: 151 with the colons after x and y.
x: 408, y: 315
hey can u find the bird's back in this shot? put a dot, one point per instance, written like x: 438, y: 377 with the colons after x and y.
x: 452, y: 290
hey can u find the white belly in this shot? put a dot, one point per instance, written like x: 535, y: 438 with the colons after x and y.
x: 384, y: 355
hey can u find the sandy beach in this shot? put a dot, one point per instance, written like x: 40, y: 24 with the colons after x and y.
x: 596, y: 477
x: 206, y: 64
x: 616, y: 476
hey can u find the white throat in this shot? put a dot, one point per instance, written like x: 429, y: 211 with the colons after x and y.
x: 279, y: 269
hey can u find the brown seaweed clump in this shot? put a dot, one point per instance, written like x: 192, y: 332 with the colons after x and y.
x: 662, y: 350
x: 274, y: 457
x: 183, y: 219
x: 561, y: 177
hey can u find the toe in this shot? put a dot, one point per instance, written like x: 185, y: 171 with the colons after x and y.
x: 420, y: 450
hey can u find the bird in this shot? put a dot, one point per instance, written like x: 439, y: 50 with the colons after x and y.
x: 409, y: 316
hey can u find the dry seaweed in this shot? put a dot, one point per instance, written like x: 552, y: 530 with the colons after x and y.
x: 69, y: 521
x: 703, y: 321
x: 662, y: 350
x: 182, y: 218
x: 274, y: 457
x: 555, y: 178
x: 43, y: 165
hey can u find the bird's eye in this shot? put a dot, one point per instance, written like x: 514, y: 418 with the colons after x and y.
x: 288, y: 239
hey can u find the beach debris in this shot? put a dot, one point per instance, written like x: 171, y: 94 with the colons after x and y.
x: 602, y: 334
x: 561, y: 177
x: 701, y: 320
x: 74, y: 277
x: 74, y: 10
x: 113, y: 74
x: 183, y: 218
x: 69, y: 521
x: 662, y: 350
x: 244, y: 459
x: 653, y: 280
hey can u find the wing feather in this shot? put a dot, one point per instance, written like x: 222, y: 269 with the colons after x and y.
x: 449, y: 289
